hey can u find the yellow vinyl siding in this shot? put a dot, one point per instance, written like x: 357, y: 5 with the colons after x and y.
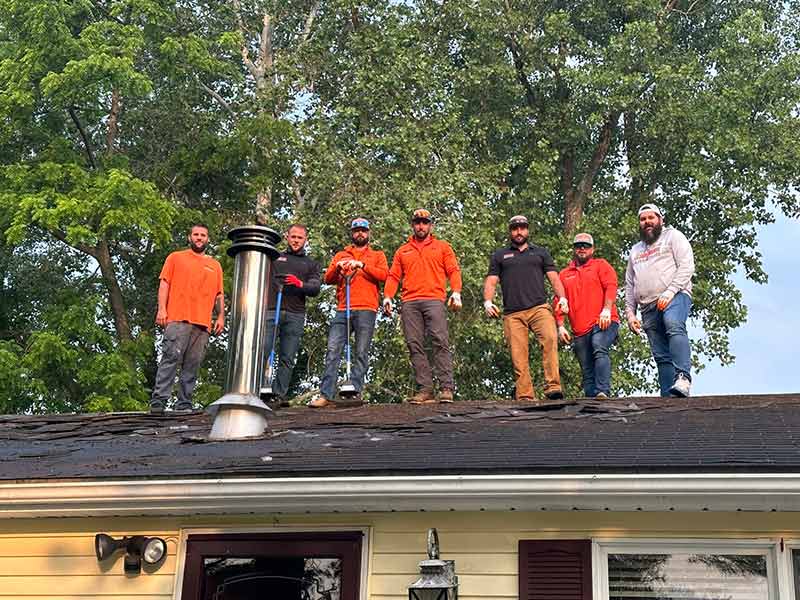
x: 53, y: 559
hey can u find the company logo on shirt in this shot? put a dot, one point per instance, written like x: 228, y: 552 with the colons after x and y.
x: 646, y: 254
x: 505, y: 256
x: 282, y: 259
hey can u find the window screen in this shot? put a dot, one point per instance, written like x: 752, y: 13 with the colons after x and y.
x: 687, y: 576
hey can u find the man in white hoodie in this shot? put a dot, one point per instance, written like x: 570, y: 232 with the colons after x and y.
x: 659, y: 281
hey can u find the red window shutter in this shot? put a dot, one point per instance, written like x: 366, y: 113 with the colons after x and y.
x: 555, y: 570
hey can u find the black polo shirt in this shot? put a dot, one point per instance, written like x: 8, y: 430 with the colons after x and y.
x: 308, y: 270
x: 521, y: 276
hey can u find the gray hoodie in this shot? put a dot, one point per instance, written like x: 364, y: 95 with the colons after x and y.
x: 665, y: 265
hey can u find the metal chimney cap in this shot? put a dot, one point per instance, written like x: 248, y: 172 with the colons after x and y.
x: 254, y: 237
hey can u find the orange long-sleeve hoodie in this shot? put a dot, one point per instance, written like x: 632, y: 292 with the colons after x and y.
x: 424, y: 268
x: 364, y: 294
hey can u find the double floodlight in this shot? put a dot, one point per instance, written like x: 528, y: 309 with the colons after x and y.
x: 138, y: 548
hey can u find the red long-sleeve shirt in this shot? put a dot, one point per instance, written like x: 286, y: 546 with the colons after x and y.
x: 364, y: 285
x: 587, y: 287
x: 424, y: 268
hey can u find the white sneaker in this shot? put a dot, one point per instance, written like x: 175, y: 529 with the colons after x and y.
x: 682, y: 386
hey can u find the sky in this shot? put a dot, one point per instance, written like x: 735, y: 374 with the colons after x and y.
x: 766, y: 345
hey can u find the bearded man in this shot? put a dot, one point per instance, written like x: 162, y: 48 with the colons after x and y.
x: 658, y: 280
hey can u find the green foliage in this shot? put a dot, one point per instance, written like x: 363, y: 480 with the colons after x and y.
x: 123, y: 121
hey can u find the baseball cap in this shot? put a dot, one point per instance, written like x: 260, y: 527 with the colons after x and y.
x: 653, y: 207
x: 583, y: 238
x: 518, y: 220
x: 359, y: 223
x: 422, y: 214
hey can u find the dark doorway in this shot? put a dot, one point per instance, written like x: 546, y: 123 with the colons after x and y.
x: 285, y: 566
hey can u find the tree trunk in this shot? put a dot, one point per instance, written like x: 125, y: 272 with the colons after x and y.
x: 103, y: 256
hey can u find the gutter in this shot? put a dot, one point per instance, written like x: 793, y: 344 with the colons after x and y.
x: 713, y: 492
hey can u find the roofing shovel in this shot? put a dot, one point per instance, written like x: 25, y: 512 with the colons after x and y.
x: 347, y: 389
x: 266, y: 392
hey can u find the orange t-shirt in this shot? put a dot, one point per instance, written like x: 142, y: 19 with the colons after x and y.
x: 423, y: 267
x: 195, y: 281
x: 364, y: 285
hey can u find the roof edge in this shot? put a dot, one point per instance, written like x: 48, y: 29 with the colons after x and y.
x: 683, y: 492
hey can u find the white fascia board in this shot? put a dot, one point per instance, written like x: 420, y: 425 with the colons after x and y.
x: 684, y: 492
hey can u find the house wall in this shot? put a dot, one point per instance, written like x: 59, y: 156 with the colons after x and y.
x: 54, y: 558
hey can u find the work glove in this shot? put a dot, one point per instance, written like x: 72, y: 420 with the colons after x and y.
x: 292, y: 280
x: 563, y: 305
x: 387, y: 307
x: 634, y: 324
x: 664, y: 299
x: 604, y: 320
x: 564, y: 335
x: 454, y: 303
x: 355, y: 264
x: 491, y: 309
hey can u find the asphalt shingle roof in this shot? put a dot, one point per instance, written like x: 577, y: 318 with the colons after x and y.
x: 755, y: 434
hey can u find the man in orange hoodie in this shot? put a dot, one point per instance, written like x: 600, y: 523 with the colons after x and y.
x: 368, y: 269
x: 424, y: 264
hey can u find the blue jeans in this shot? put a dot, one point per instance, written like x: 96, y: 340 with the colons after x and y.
x: 362, y: 324
x: 669, y: 342
x: 591, y: 349
x: 290, y: 332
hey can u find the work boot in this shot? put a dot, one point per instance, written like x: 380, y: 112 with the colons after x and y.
x: 682, y: 387
x: 156, y: 407
x: 446, y: 396
x: 422, y: 397
x: 183, y: 407
x: 555, y: 394
x: 527, y: 399
x: 321, y: 402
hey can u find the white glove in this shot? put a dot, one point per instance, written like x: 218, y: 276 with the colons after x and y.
x: 563, y: 305
x: 387, y: 306
x: 454, y: 303
x: 605, y: 318
x: 491, y: 309
x: 563, y: 334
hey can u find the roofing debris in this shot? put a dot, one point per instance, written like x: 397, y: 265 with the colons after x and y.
x: 714, y: 433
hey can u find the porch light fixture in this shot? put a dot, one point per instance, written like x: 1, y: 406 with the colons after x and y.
x: 438, y: 579
x: 138, y: 548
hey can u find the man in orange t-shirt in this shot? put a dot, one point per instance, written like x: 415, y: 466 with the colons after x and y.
x: 367, y: 269
x: 424, y: 264
x: 190, y: 288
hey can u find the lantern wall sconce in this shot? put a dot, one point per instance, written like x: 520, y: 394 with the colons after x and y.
x: 138, y: 548
x: 438, y: 579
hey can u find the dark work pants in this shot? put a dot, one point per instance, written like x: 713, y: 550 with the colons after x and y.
x: 184, y: 346
x: 290, y: 332
x: 428, y: 318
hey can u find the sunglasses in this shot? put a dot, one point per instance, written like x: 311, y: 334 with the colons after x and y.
x: 420, y: 221
x: 362, y: 229
x: 582, y: 245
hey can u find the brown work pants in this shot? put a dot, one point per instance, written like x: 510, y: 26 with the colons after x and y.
x: 538, y: 319
x: 428, y: 318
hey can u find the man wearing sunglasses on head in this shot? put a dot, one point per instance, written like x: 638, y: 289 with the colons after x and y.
x: 424, y: 264
x: 367, y: 269
x: 521, y: 269
x: 590, y: 285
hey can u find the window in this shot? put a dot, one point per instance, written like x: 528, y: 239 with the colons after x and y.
x: 289, y: 566
x: 686, y: 570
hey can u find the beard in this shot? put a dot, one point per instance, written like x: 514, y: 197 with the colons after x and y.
x: 523, y: 239
x: 652, y: 236
x: 360, y: 242
x: 581, y: 261
x: 198, y: 249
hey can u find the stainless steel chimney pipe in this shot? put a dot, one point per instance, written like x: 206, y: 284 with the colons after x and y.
x: 240, y: 412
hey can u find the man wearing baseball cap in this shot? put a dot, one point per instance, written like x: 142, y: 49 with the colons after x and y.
x: 658, y: 280
x: 368, y: 269
x: 424, y: 264
x: 521, y: 268
x: 590, y: 285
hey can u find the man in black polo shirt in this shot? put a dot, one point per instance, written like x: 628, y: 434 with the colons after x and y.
x: 521, y: 268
